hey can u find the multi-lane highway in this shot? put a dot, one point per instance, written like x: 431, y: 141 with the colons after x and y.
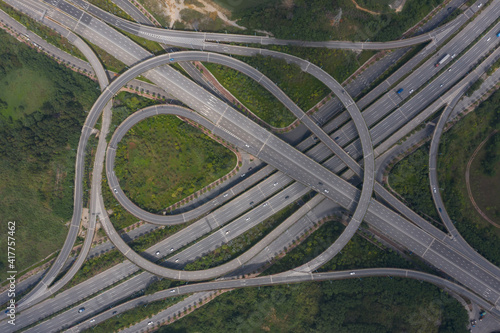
x: 302, y: 167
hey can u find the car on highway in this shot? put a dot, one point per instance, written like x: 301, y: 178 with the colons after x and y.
x: 441, y: 85
x: 453, y: 55
x: 172, y: 291
x: 473, y: 322
x: 116, y: 191
x: 247, y: 219
x: 326, y: 191
x: 177, y: 260
x: 440, y: 210
x: 400, y: 90
x: 434, y: 190
x: 489, y: 38
x: 171, y: 59
x: 150, y: 323
x: 92, y: 320
x: 251, y: 203
x: 276, y: 183
x: 479, y: 5
x: 287, y: 197
x: 352, y: 273
x: 411, y: 91
x: 225, y: 195
x: 157, y: 253
x: 115, y: 312
x: 227, y: 232
x: 265, y: 204
x: 172, y: 249
x: 243, y: 175
x: 80, y: 310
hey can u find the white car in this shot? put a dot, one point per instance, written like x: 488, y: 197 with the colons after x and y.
x: 411, y: 91
x: 116, y: 191
x: 172, y: 249
x: 225, y: 195
x: 480, y: 5
x: 489, y: 38
x: 150, y: 323
x: 157, y: 253
x: 352, y: 273
x: 265, y: 204
x: 177, y: 260
x: 275, y: 184
x: 172, y: 291
x: 227, y: 232
x: 92, y: 320
x: 326, y: 191
x: 247, y: 219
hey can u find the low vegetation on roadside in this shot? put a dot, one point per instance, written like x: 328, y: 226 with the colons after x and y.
x: 410, y: 179
x: 242, y: 243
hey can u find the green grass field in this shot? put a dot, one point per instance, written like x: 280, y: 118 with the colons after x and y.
x: 162, y: 160
x: 251, y: 94
x: 27, y: 197
x: 24, y: 90
x: 36, y: 148
x: 486, y: 188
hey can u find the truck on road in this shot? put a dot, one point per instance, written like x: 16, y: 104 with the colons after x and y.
x: 443, y: 59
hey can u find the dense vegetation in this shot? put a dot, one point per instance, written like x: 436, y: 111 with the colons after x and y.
x: 485, y: 178
x: 251, y: 94
x: 410, y: 178
x: 373, y: 305
x: 457, y: 145
x: 162, y: 160
x: 320, y: 19
x: 302, y: 88
x: 358, y: 253
x: 491, y: 157
x: 38, y: 147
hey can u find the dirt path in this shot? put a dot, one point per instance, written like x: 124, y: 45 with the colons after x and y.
x: 467, y: 182
x: 364, y: 9
x: 174, y: 8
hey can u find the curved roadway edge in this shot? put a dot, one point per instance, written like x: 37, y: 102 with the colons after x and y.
x: 281, y: 96
x: 273, y: 280
x: 434, y: 184
x: 165, y: 272
x: 191, y: 38
x: 43, y: 289
x: 364, y: 134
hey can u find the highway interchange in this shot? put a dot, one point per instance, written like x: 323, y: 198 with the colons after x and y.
x: 435, y: 247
